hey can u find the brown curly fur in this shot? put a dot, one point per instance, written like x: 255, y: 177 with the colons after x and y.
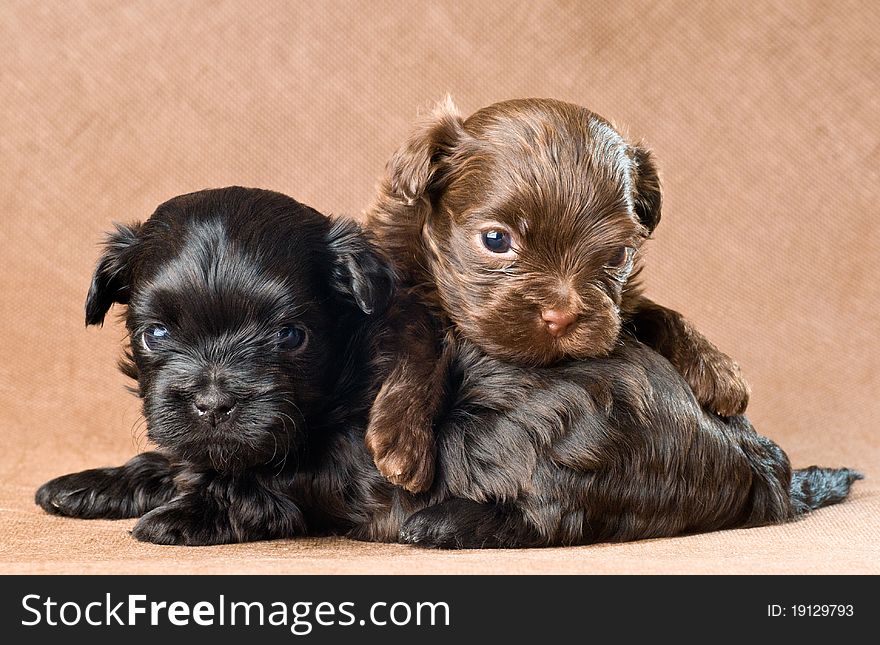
x: 573, y: 192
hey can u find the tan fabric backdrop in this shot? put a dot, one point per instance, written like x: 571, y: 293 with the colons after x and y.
x: 765, y: 118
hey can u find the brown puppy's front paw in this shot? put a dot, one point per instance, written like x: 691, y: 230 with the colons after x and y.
x: 403, y: 457
x: 718, y: 384
x: 400, y: 434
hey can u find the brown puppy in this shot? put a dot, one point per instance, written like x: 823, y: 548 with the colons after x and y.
x: 519, y: 228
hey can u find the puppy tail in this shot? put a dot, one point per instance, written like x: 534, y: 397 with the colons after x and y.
x: 815, y: 487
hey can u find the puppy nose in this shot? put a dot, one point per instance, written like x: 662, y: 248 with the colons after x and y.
x: 558, y: 321
x: 214, y: 405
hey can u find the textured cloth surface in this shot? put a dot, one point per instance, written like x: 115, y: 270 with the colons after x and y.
x: 764, y: 116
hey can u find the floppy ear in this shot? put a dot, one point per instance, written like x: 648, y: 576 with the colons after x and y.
x: 646, y: 188
x: 112, y: 278
x: 417, y: 165
x: 359, y: 269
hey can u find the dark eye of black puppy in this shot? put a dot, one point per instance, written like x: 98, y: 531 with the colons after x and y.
x: 291, y: 337
x: 496, y: 240
x: 153, y: 337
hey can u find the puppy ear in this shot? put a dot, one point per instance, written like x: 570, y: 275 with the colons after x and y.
x: 413, y: 169
x: 359, y: 270
x: 112, y: 278
x: 647, y: 198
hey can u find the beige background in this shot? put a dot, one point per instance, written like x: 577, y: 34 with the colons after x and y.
x: 765, y: 118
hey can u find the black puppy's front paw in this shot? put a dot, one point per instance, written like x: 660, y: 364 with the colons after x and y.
x: 91, y: 494
x: 63, y: 496
x: 464, y: 524
x: 181, y: 525
x: 430, y: 528
x: 142, y: 484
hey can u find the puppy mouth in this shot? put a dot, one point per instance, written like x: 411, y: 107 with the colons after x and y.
x: 242, y: 440
x: 542, y: 345
x: 559, y: 334
x: 229, y: 448
x: 212, y: 423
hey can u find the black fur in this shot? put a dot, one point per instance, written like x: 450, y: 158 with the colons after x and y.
x: 815, y: 487
x: 224, y: 272
x: 609, y: 449
x: 142, y: 484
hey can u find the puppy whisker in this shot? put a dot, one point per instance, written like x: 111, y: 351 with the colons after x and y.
x: 298, y: 411
x: 507, y: 270
x: 138, y: 433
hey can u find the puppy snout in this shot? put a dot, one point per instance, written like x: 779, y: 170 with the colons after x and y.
x: 214, y: 405
x: 558, y: 321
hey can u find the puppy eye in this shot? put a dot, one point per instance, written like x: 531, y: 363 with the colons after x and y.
x: 621, y: 263
x: 496, y: 240
x: 291, y: 337
x: 153, y: 337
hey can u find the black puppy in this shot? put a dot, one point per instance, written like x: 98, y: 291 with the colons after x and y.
x: 603, y: 450
x: 256, y: 354
x: 249, y: 328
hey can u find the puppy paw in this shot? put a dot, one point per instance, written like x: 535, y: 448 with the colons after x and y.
x: 92, y: 494
x: 718, y: 384
x: 431, y: 528
x: 465, y: 524
x: 63, y: 496
x: 180, y: 526
x: 402, y: 445
x: 408, y: 464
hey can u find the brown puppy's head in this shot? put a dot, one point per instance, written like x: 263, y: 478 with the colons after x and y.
x: 531, y: 214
